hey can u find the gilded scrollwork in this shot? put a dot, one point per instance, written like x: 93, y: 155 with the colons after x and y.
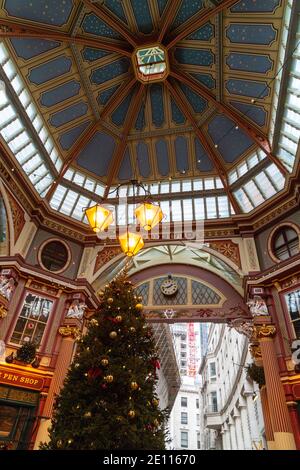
x: 69, y: 331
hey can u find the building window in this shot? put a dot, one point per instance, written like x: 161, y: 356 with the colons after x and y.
x: 32, y: 319
x: 184, y: 439
x: 214, y: 402
x: 212, y: 369
x: 285, y: 242
x: 184, y: 401
x: 197, y: 403
x: 198, y: 441
x: 54, y: 256
x: 293, y: 304
x: 184, y: 418
x: 198, y: 420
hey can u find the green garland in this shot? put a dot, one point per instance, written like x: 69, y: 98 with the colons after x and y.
x: 257, y: 374
x: 26, y: 353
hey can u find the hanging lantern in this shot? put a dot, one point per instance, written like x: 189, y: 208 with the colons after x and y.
x: 149, y: 215
x: 131, y: 243
x: 99, y: 218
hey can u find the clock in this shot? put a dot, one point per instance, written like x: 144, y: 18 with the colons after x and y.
x: 169, y: 287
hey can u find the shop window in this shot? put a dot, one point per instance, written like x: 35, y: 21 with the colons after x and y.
x: 285, y: 243
x: 293, y: 305
x: 17, y: 410
x: 32, y: 319
x: 54, y: 256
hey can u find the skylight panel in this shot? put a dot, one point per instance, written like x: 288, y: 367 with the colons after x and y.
x: 78, y: 211
x: 223, y: 207
x: 27, y: 152
x: 175, y: 185
x: 198, y: 185
x: 243, y: 200
x: 24, y: 98
x: 176, y: 212
x: 89, y: 184
x: 165, y: 188
x: 265, y: 186
x: 211, y: 208
x: 9, y: 69
x: 18, y: 142
x: 253, y: 193
x: 186, y: 185
x: 12, y: 129
x: 32, y: 164
x: 187, y: 209
x: 276, y: 176
x: 43, y: 184
x: 6, y: 115
x: 199, y: 208
x: 165, y: 207
x: 99, y: 190
x: 58, y: 196
x: 69, y: 202
x: 17, y: 84
x: 209, y: 183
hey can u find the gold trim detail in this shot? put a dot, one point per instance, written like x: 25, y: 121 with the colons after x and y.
x: 264, y: 331
x: 3, y: 311
x: 255, y: 351
x: 69, y: 331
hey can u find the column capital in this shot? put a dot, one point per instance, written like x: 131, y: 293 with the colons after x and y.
x: 69, y: 331
x: 264, y: 331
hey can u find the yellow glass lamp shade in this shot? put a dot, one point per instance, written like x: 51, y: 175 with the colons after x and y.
x: 99, y: 218
x: 131, y: 243
x: 148, y: 215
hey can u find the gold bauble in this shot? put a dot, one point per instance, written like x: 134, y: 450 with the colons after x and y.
x: 140, y: 298
x: 59, y: 443
x: 110, y: 300
x: 119, y: 318
x: 113, y: 334
x: 134, y: 386
x: 131, y: 414
x: 94, y: 322
x: 70, y: 441
x: 155, y: 402
x: 139, y: 306
x: 119, y: 418
x: 132, y: 329
x: 88, y: 414
x: 109, y: 378
x: 104, y: 361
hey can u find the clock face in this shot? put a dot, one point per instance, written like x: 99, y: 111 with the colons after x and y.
x: 169, y: 287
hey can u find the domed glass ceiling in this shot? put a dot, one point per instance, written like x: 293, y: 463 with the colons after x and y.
x: 181, y: 95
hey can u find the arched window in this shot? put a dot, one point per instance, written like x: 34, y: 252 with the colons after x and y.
x: 285, y: 242
x: 3, y: 229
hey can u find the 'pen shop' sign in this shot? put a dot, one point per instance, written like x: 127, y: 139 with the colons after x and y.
x: 20, y: 379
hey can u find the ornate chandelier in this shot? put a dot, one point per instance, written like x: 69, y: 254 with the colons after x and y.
x: 147, y: 213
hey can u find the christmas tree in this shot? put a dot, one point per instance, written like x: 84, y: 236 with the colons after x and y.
x: 108, y: 400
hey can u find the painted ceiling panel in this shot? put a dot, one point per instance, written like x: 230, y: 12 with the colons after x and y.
x: 141, y: 119
x: 202, y: 57
x: 125, y: 172
x: 94, y: 25
x: 143, y: 159
x: 161, y: 5
x: 232, y: 142
x: 256, y: 6
x: 27, y: 48
x: 205, y: 79
x: 198, y: 104
x: 69, y: 114
x: 256, y: 113
x: 142, y: 15
x: 157, y: 105
x: 116, y: 7
x: 97, y: 154
x: 119, y: 115
x: 55, y: 13
x: 110, y: 71
x: 177, y: 115
x: 60, y: 93
x: 202, y: 160
x: 50, y: 70
x: 90, y: 54
x: 68, y: 138
x: 105, y: 95
x: 181, y: 154
x: 251, y: 33
x: 205, y: 33
x: 247, y: 88
x: 249, y: 62
x: 162, y: 157
x: 187, y: 9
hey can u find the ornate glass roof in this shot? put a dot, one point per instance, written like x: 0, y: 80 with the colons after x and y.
x: 219, y: 132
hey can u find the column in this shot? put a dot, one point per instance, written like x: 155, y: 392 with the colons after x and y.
x: 225, y: 437
x: 254, y: 432
x: 245, y: 426
x: 239, y: 432
x: 69, y: 332
x: 232, y: 434
x: 280, y: 419
x: 267, y: 418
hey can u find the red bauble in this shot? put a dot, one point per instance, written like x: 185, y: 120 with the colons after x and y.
x: 104, y: 386
x: 94, y: 372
